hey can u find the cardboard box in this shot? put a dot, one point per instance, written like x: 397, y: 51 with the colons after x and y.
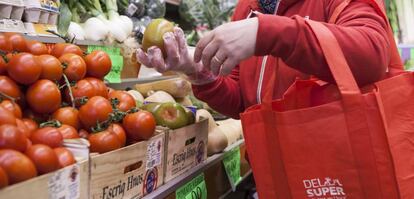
x: 186, y: 148
x: 129, y: 172
x: 70, y: 182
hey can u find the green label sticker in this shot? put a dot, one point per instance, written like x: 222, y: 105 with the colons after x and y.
x: 195, y: 189
x: 107, y: 49
x: 412, y: 54
x: 231, y: 163
x: 114, y: 76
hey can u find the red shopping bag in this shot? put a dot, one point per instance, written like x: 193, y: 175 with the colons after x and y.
x: 335, y: 141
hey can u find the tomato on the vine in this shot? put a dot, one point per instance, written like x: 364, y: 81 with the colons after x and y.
x: 13, y: 107
x: 17, y: 166
x: 3, y: 66
x: 51, y: 67
x: 4, y: 179
x: 60, y: 49
x: 24, y: 69
x: 23, y: 128
x: 119, y: 131
x: 12, y: 138
x: 107, y: 140
x: 126, y: 101
x: 44, y: 158
x: 36, y: 48
x: 44, y: 96
x: 47, y: 135
x: 81, y: 89
x: 17, y: 40
x: 139, y: 125
x: 5, y: 44
x: 67, y: 115
x: 97, y: 109
x: 98, y: 64
x: 10, y: 88
x: 64, y: 156
x: 7, y: 117
x: 68, y: 132
x: 31, y: 125
x: 100, y: 87
x: 75, y: 66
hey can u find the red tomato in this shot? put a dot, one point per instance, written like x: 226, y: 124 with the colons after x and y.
x: 7, y: 117
x: 4, y: 179
x: 10, y: 88
x: 29, y: 144
x: 44, y: 96
x: 23, y: 128
x: 83, y: 134
x: 12, y: 138
x: 126, y: 101
x: 48, y: 135
x: 60, y: 49
x: 75, y: 66
x: 100, y: 87
x: 67, y: 115
x: 98, y: 64
x: 13, y: 107
x: 82, y: 88
x: 3, y: 66
x: 51, y: 67
x: 44, y: 158
x: 68, y: 132
x: 31, y: 125
x: 120, y: 132
x: 36, y: 48
x: 104, y: 141
x: 5, y: 44
x: 97, y: 109
x: 65, y: 157
x: 24, y: 69
x: 17, y: 40
x: 139, y: 126
x: 17, y: 166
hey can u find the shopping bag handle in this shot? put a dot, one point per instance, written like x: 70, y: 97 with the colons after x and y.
x: 335, y: 59
x: 395, y: 59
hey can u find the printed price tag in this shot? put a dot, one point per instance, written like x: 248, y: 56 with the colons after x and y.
x: 114, y: 76
x: 154, y: 149
x: 65, y: 183
x: 231, y: 164
x: 195, y: 189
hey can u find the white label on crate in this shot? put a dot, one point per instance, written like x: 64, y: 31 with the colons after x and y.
x: 65, y: 183
x: 154, y: 149
x: 131, y: 9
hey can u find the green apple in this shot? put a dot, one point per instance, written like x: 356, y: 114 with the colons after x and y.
x: 171, y: 115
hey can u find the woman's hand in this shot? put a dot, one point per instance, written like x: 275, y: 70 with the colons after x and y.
x: 224, y: 47
x: 177, y: 59
x: 177, y: 56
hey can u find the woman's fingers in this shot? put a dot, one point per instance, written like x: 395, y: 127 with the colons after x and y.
x: 171, y: 48
x: 143, y: 58
x: 201, y: 45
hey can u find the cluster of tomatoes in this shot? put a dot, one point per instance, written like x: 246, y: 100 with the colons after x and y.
x: 48, y: 94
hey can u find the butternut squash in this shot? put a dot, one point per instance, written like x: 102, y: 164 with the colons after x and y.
x: 217, y: 140
x: 176, y: 87
x: 159, y: 97
x: 232, y: 129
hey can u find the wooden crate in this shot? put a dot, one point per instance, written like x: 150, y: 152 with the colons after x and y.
x: 186, y: 148
x: 70, y: 182
x: 129, y: 172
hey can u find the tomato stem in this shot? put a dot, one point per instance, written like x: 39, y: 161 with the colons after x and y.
x: 70, y: 90
x: 51, y: 123
x: 4, y: 95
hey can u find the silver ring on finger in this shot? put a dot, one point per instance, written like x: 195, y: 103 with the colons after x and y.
x: 216, y: 59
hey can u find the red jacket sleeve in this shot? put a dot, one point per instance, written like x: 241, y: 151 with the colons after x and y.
x: 223, y: 95
x: 360, y: 31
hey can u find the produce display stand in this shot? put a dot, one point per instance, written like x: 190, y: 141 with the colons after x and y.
x: 214, y: 172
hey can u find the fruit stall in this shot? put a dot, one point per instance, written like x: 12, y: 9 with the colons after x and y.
x: 81, y: 118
